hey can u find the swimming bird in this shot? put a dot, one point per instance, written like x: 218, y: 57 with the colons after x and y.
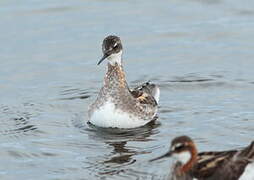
x: 214, y: 165
x: 118, y: 106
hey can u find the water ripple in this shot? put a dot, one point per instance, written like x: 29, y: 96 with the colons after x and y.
x: 18, y: 123
x: 71, y: 93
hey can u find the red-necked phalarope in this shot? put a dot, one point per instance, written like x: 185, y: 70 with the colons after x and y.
x: 217, y: 165
x: 116, y: 105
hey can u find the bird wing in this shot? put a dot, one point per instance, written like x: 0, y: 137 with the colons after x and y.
x: 215, y: 165
x: 248, y: 152
x: 143, y: 94
x: 209, y: 162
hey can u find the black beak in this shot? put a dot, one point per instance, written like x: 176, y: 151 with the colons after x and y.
x: 102, y: 59
x: 168, y: 154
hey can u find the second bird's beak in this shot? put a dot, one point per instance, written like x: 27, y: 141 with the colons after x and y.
x: 102, y: 59
x: 168, y: 154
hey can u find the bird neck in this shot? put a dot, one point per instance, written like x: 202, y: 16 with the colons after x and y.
x: 187, y: 166
x: 115, y: 76
x: 116, y: 58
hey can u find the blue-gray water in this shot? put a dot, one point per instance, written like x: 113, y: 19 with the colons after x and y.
x: 200, y: 53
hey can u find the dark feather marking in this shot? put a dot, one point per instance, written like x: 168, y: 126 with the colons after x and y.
x: 215, y: 165
x: 143, y: 94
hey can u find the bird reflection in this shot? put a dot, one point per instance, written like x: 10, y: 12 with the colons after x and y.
x: 122, y: 155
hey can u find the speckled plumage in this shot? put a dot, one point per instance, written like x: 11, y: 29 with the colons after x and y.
x: 138, y: 104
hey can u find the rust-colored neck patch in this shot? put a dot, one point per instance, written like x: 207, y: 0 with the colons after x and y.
x: 186, y: 167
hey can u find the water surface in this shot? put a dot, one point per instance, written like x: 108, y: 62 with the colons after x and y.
x: 200, y: 53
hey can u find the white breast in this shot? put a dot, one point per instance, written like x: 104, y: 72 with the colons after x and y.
x: 108, y: 116
x: 248, y: 173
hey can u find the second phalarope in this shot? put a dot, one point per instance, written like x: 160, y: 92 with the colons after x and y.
x: 217, y: 165
x: 116, y: 105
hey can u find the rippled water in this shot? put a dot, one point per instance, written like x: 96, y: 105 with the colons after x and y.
x: 200, y: 53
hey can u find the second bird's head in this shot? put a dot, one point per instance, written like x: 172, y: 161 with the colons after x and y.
x: 112, y: 50
x: 183, y: 149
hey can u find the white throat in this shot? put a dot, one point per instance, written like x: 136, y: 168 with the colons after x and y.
x: 183, y: 157
x: 115, y: 58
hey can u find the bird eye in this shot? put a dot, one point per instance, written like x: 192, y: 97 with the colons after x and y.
x: 115, y: 45
x: 178, y: 147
